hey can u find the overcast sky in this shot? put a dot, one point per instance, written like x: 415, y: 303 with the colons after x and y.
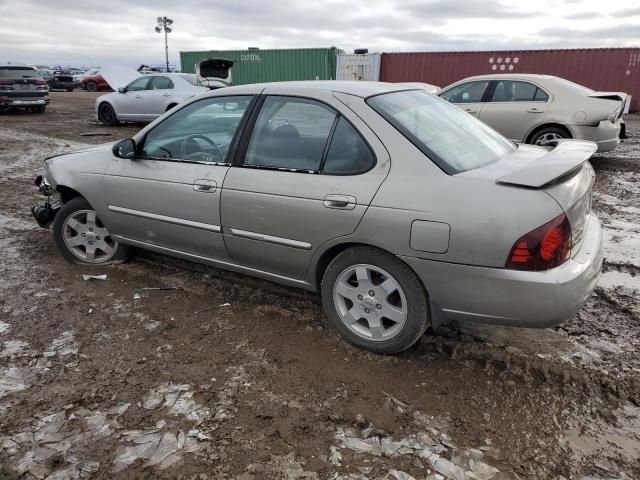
x: 87, y: 32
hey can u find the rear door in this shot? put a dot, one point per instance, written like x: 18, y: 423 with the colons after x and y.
x: 305, y: 175
x: 157, y: 95
x: 469, y: 96
x: 168, y: 196
x: 514, y: 108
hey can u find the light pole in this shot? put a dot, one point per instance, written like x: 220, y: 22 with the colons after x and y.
x: 163, y: 25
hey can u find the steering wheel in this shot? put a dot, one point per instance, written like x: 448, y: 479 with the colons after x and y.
x: 191, y: 139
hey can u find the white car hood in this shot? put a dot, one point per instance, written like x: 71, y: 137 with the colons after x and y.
x: 117, y: 76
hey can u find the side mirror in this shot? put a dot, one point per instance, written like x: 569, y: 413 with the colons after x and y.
x: 122, y: 90
x: 125, y: 148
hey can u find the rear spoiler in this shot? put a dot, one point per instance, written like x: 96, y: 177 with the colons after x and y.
x: 567, y: 156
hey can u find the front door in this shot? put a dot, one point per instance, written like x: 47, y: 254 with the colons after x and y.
x: 169, y: 195
x: 306, y: 175
x: 130, y: 104
x: 515, y: 108
x: 469, y: 96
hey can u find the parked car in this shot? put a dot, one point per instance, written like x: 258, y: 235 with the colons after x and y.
x: 398, y: 207
x: 539, y: 109
x: 21, y: 87
x: 94, y: 82
x: 63, y: 80
x: 146, y: 98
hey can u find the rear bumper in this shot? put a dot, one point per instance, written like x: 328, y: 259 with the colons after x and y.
x: 606, y: 135
x: 22, y: 102
x: 511, y: 297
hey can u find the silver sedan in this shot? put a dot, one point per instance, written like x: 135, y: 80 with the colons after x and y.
x: 399, y: 208
x: 542, y: 109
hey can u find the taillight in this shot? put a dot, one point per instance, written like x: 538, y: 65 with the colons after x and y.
x: 6, y: 84
x: 543, y: 248
x: 40, y: 82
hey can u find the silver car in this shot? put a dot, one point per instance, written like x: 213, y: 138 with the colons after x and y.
x: 146, y: 98
x: 539, y: 109
x: 399, y: 208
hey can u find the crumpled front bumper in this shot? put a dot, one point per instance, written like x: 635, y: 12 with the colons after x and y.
x: 46, y: 212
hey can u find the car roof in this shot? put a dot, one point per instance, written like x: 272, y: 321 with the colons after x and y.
x: 509, y: 76
x: 357, y: 88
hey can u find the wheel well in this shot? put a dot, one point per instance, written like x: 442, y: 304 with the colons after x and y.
x: 548, y: 125
x: 171, y: 105
x: 67, y: 193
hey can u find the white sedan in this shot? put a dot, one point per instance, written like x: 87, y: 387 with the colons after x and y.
x: 147, y: 97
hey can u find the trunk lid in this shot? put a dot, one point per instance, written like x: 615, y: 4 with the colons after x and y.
x: 563, y: 173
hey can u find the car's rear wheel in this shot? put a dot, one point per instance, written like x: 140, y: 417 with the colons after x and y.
x: 107, y: 115
x: 69, y: 89
x: 40, y: 109
x: 375, y: 300
x: 548, y: 136
x: 91, y: 86
x: 82, y: 238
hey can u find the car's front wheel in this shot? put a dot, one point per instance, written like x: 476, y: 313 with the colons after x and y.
x: 107, y: 115
x: 82, y: 238
x: 91, y: 86
x: 375, y: 300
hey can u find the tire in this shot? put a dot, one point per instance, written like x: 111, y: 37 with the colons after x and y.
x: 107, y: 115
x: 78, y: 231
x: 91, y: 86
x: 40, y: 109
x: 363, y: 321
x: 548, y: 135
x: 69, y: 89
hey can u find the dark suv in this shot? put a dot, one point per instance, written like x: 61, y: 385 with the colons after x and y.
x: 21, y: 87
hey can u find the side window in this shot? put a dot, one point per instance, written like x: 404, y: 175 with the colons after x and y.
x: 470, y: 92
x: 290, y: 133
x: 161, y: 83
x: 348, y: 153
x: 137, y: 85
x: 541, y: 96
x: 202, y: 131
x: 516, y: 91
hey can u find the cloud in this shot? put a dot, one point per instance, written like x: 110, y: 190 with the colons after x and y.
x: 89, y: 33
x: 628, y: 12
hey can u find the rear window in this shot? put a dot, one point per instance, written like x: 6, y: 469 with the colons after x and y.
x: 17, y: 72
x: 452, y: 139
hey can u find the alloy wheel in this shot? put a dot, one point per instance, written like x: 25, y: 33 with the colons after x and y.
x: 370, y: 302
x: 87, y: 238
x: 548, y: 138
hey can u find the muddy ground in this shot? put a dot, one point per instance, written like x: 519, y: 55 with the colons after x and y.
x: 231, y: 377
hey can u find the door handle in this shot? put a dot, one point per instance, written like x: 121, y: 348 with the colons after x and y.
x: 534, y: 110
x: 166, y: 94
x: 470, y: 110
x: 138, y: 96
x: 341, y: 202
x: 205, y: 186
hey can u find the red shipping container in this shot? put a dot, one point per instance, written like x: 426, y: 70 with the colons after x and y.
x: 603, y: 69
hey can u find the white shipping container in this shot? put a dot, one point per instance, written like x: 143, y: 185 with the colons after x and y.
x: 352, y: 66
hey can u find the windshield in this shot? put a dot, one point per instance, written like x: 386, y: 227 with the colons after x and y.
x: 17, y: 72
x: 452, y: 139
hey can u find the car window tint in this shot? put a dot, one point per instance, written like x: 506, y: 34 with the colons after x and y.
x: 470, y: 92
x: 162, y: 83
x: 514, y: 91
x: 348, y: 153
x: 541, y: 96
x: 452, y: 139
x: 202, y: 131
x: 137, y: 85
x: 290, y: 133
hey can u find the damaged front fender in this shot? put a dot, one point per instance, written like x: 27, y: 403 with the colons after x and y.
x: 45, y: 214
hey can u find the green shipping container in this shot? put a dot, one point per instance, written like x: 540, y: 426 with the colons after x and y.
x: 256, y: 66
